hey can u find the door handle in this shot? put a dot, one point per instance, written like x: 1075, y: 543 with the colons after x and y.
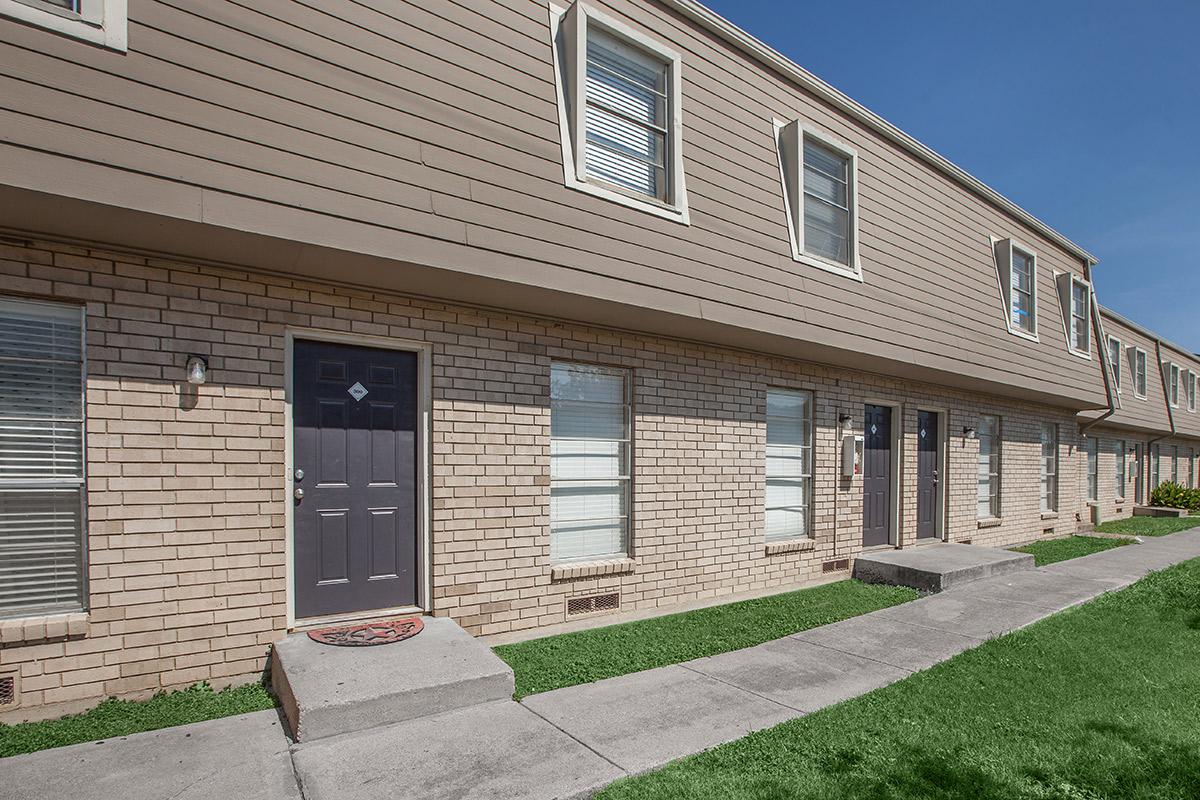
x: 298, y: 493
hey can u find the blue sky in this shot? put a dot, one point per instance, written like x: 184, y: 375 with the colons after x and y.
x: 1084, y: 112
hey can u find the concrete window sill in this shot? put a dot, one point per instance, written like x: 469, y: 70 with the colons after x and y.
x: 790, y: 546
x: 43, y: 628
x: 1049, y: 515
x: 592, y: 569
x: 990, y: 522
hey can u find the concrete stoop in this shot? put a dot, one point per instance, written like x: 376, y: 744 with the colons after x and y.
x: 1158, y: 511
x: 327, y: 691
x: 937, y: 567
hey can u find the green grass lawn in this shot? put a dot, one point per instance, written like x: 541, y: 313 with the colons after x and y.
x: 122, y: 717
x: 1053, y: 550
x: 1101, y: 701
x: 1149, y: 526
x: 572, y: 658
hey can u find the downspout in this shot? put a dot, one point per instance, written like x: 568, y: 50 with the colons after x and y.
x: 1162, y: 375
x: 1102, y: 347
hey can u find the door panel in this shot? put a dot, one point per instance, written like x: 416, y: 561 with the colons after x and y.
x: 928, y: 480
x: 355, y: 437
x: 877, y: 475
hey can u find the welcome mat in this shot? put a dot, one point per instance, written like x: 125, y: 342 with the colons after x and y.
x: 369, y: 633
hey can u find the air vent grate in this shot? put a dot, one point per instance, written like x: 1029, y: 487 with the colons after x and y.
x: 592, y: 604
x: 836, y: 566
x: 8, y: 690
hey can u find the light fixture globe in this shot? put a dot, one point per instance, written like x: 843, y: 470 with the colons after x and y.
x: 197, y: 370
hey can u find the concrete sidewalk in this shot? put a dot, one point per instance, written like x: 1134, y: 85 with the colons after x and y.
x: 573, y: 741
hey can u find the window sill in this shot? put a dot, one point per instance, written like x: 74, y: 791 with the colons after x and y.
x: 1032, y: 337
x: 990, y: 522
x: 110, y: 31
x: 43, y: 628
x: 592, y: 569
x: 845, y: 270
x: 1049, y: 515
x: 790, y: 546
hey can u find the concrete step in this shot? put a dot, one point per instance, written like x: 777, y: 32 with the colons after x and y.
x: 1158, y: 511
x: 327, y: 690
x: 937, y: 567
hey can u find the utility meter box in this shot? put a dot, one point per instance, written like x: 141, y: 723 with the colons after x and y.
x: 852, y: 455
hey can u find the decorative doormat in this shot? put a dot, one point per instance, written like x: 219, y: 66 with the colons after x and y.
x: 369, y: 633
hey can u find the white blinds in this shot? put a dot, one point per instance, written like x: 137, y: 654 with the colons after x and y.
x: 988, y: 494
x: 826, y: 203
x: 789, y: 464
x: 41, y: 457
x: 1080, y: 336
x: 1119, y: 463
x: 589, y: 462
x: 625, y: 116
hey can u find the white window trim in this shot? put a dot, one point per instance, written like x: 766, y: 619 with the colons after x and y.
x: 1189, y: 390
x: 1145, y: 360
x: 102, y: 22
x: 1070, y: 278
x: 570, y: 115
x: 1117, y: 371
x: 795, y: 221
x: 1002, y: 257
x: 812, y: 434
x: 1122, y: 475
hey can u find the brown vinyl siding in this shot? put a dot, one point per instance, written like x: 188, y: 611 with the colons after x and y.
x: 351, y: 125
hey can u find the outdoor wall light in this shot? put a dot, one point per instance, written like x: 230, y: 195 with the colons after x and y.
x: 197, y: 370
x: 969, y: 432
x: 844, y: 419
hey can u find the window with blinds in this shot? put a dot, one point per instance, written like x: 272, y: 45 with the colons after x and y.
x: 1119, y: 475
x: 1049, y: 436
x: 1021, y: 298
x: 1080, y: 335
x: 789, y: 464
x: 1093, y: 468
x: 620, y: 114
x: 826, y: 202
x: 626, y: 116
x: 589, y: 462
x: 1155, y: 467
x: 988, y: 492
x: 1191, y: 390
x: 1139, y: 372
x: 1173, y: 384
x: 1114, y: 361
x: 41, y: 458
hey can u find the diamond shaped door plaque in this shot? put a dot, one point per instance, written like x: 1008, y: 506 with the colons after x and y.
x: 357, y: 391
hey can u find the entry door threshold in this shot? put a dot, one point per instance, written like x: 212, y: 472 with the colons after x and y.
x: 356, y: 616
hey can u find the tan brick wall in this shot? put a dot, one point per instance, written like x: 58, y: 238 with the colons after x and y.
x: 186, y: 486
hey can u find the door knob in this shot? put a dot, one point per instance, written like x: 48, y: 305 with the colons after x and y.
x: 298, y: 493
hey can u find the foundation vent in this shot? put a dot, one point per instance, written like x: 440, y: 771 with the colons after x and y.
x: 836, y: 566
x: 593, y: 604
x: 964, y: 541
x: 10, y: 691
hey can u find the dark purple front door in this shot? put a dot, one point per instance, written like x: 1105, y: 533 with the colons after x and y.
x: 927, y: 474
x: 355, y: 439
x: 877, y: 476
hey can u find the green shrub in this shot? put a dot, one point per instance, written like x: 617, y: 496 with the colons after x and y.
x: 1173, y: 495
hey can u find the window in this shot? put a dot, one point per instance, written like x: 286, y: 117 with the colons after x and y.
x: 789, y: 464
x: 1155, y: 467
x: 1119, y: 463
x: 1191, y: 390
x: 1093, y: 468
x: 42, y: 490
x: 1049, y: 466
x: 1173, y: 384
x: 988, y: 496
x: 1191, y: 474
x: 1175, y: 464
x: 589, y: 462
x: 619, y: 112
x: 1114, y: 361
x: 820, y: 186
x: 1137, y: 358
x: 100, y: 22
x: 1017, y: 271
x: 1021, y: 298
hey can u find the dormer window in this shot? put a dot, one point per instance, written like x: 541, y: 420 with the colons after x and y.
x: 1075, y: 294
x: 1018, y: 272
x: 1114, y: 361
x: 102, y: 22
x: 819, y: 175
x: 619, y: 112
x: 1137, y: 365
